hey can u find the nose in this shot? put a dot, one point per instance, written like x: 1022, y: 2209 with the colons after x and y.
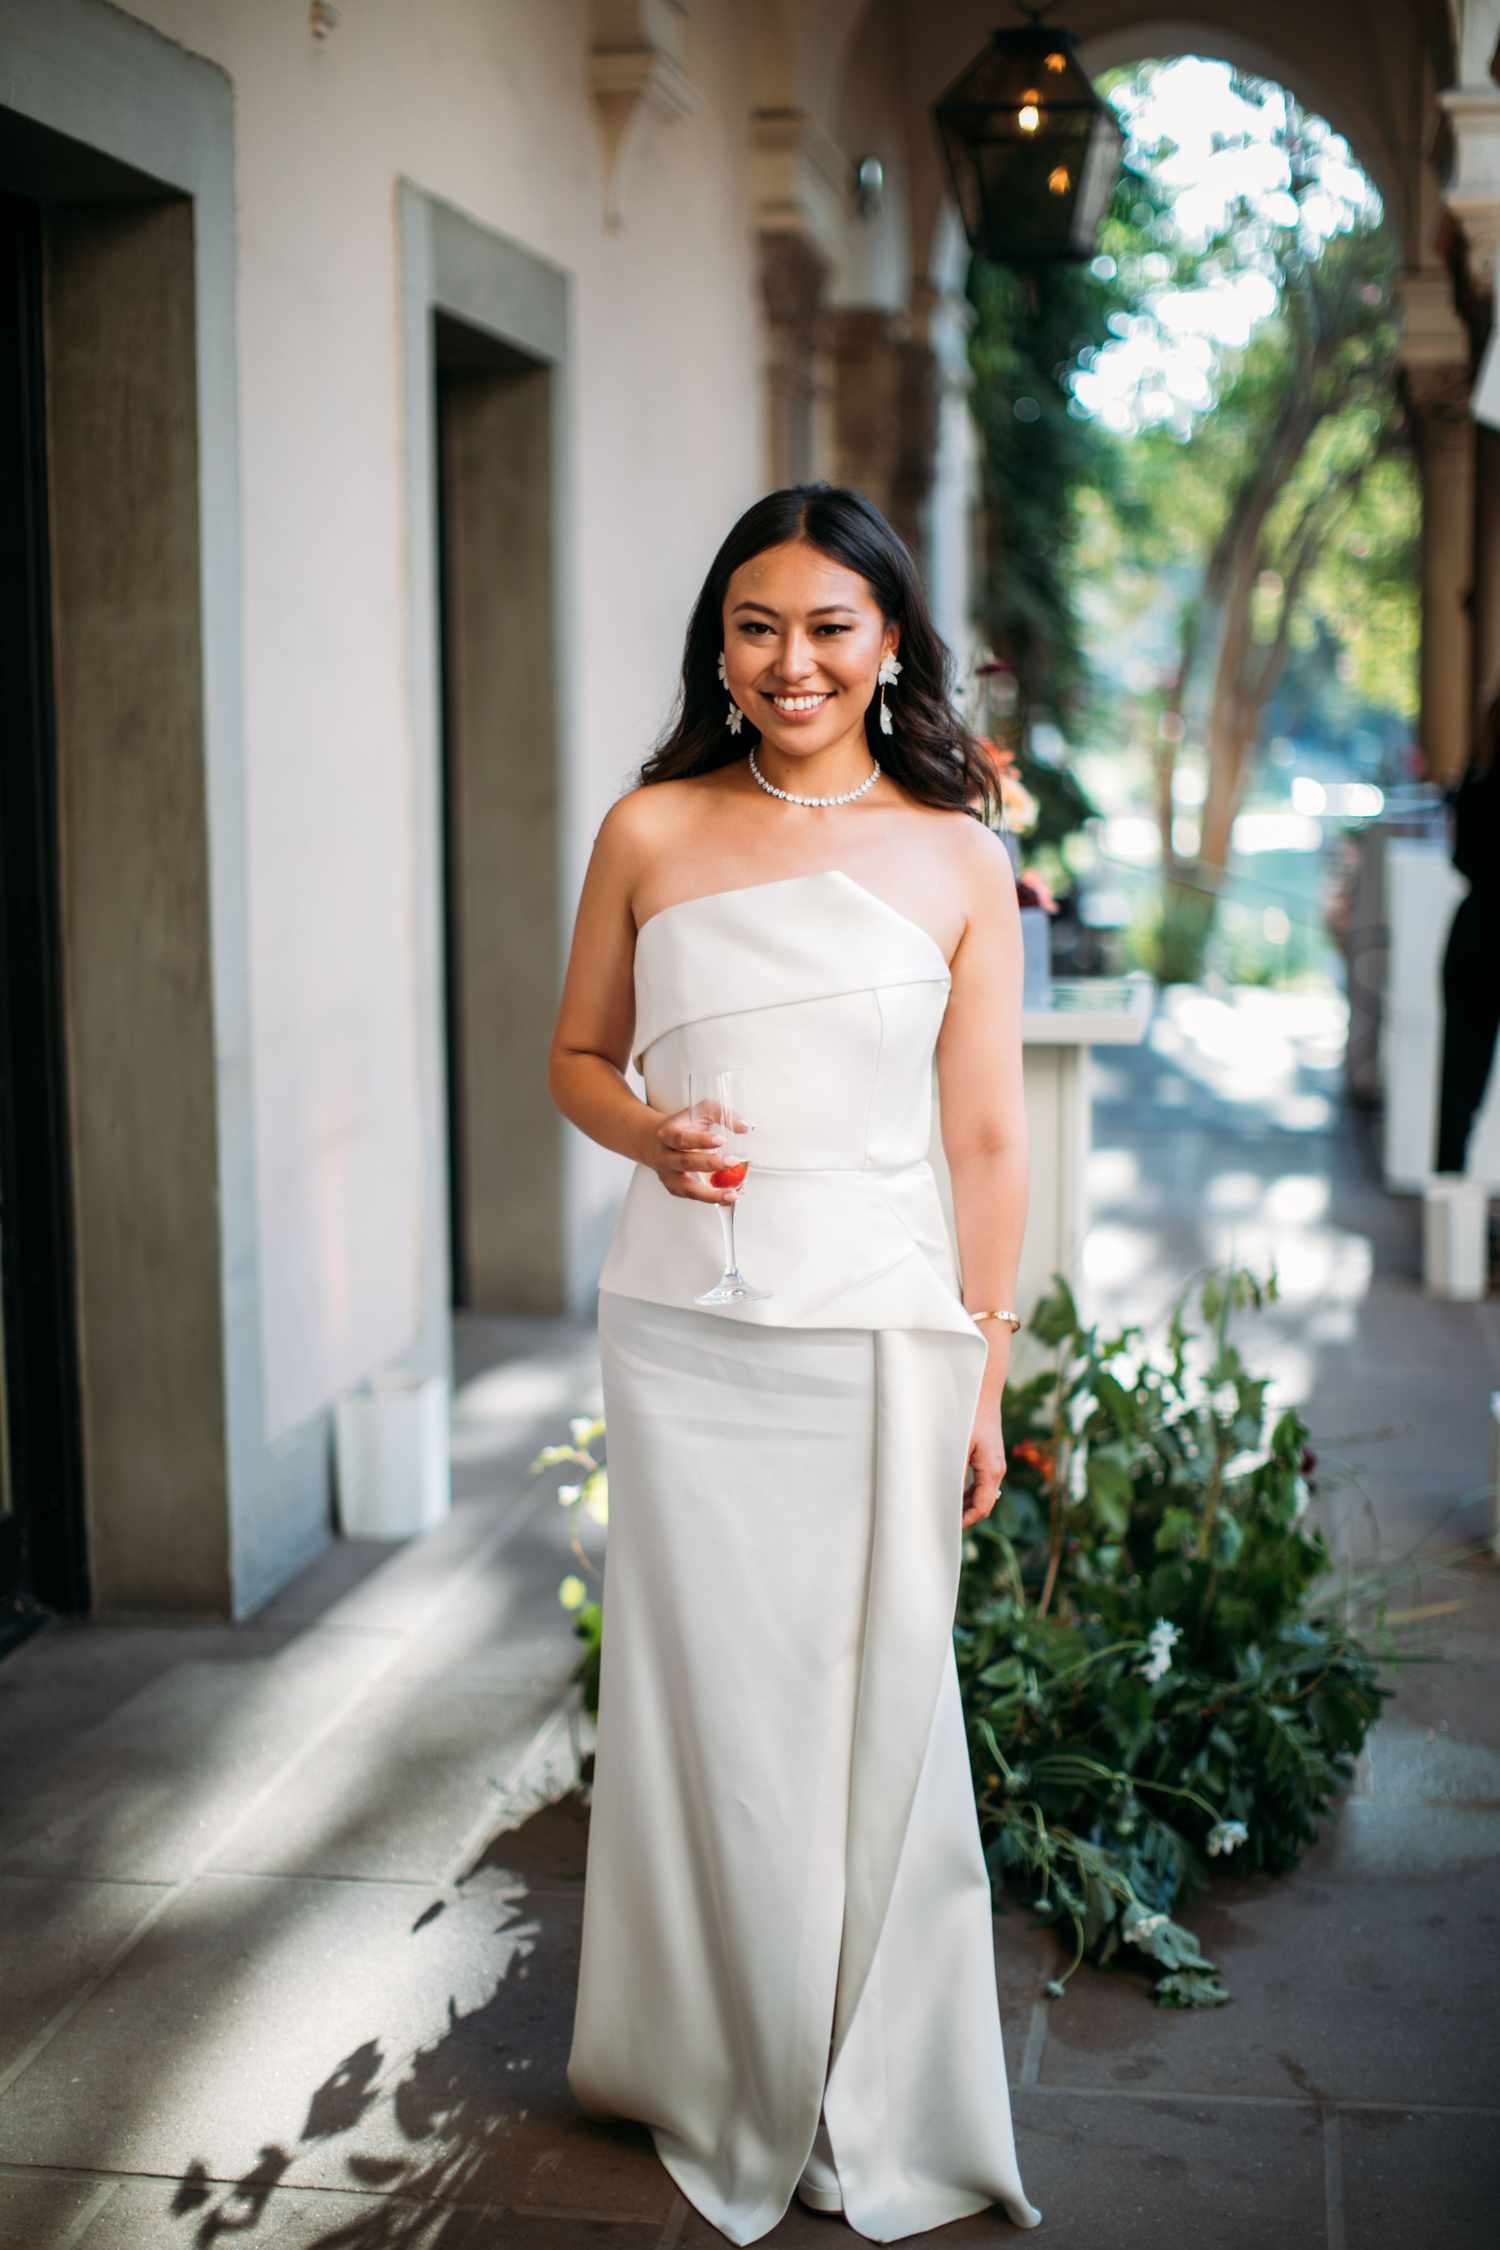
x: 798, y: 658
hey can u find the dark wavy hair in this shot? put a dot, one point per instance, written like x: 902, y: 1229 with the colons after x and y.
x: 931, y: 753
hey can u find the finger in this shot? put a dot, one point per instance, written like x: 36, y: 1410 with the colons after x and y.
x: 691, y: 1136
x: 699, y: 1160
x: 694, y: 1192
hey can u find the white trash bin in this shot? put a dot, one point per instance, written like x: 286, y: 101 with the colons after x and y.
x: 392, y: 1461
x: 1455, y: 1250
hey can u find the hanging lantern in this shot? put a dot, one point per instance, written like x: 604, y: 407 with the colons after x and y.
x: 1031, y: 150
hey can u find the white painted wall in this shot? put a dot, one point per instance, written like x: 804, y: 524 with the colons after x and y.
x: 486, y: 105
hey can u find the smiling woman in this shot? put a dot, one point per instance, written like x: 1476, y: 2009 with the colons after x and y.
x: 807, y: 596
x: 787, y: 1964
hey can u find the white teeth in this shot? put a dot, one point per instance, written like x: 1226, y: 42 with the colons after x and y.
x: 798, y: 702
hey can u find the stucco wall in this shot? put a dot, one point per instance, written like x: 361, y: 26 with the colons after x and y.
x: 488, y: 107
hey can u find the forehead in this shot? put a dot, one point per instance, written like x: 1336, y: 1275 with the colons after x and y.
x: 797, y: 576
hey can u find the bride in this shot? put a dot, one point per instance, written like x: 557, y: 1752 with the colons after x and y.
x: 787, y: 1968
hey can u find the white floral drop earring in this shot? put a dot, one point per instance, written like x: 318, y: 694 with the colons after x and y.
x: 887, y: 678
x: 734, y: 718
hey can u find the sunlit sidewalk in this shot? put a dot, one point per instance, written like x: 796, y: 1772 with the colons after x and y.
x: 287, y: 1954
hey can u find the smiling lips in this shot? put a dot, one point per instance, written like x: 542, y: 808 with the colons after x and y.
x: 794, y: 706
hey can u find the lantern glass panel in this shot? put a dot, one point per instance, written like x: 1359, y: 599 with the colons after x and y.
x: 1031, y: 151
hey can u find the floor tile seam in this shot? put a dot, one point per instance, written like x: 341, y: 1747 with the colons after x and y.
x: 533, y: 1779
x: 1346, y: 2104
x: 93, y: 2208
x: 441, y: 1886
x: 218, y: 1874
x: 592, y: 2214
x: 114, y: 2177
x: 676, y: 2219
x: 1035, y: 2047
x: 95, y: 1882
x: 61, y: 2017
x: 1333, y: 2182
x: 527, y: 1504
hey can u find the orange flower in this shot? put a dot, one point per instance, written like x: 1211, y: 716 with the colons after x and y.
x: 1029, y: 1453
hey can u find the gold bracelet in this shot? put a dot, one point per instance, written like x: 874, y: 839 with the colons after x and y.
x: 1013, y: 1318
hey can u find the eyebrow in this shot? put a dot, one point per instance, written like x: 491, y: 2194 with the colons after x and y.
x: 824, y: 610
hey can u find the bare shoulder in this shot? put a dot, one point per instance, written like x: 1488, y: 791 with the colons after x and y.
x: 651, y: 827
x: 633, y: 818
x: 976, y: 858
x: 636, y: 827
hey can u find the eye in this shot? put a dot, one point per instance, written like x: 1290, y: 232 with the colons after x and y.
x: 759, y: 625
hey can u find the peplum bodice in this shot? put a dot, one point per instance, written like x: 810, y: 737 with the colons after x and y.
x: 831, y: 1000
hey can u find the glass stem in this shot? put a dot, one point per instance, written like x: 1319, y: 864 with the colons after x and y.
x: 726, y: 1224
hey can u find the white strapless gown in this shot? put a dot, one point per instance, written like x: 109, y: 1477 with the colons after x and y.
x: 786, y: 1907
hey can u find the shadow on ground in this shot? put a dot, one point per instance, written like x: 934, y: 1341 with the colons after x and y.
x: 476, y: 2120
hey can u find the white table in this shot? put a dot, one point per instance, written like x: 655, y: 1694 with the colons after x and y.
x: 1423, y: 888
x: 1057, y: 1040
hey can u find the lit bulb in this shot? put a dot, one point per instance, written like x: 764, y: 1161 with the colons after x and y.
x: 1055, y: 62
x: 1059, y: 181
x: 1028, y: 117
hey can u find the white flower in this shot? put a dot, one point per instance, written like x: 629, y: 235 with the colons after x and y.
x: 572, y: 1593
x: 1225, y: 1834
x: 568, y: 1493
x: 1143, y: 1927
x: 1078, y: 1472
x: 1299, y: 1499
x: 582, y: 1428
x: 597, y: 1502
x: 1225, y: 1401
x: 1158, y: 1662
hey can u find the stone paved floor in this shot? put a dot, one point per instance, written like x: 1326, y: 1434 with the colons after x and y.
x: 285, y: 1955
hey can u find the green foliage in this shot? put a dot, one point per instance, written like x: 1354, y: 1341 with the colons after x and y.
x: 1154, y: 1669
x: 1039, y: 454
x: 1063, y: 804
x: 590, y: 1497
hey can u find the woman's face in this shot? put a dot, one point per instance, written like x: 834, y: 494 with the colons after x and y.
x: 803, y: 641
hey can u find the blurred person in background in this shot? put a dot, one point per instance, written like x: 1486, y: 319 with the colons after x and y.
x: 1471, y: 958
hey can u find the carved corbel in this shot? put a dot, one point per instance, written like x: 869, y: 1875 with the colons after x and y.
x: 637, y: 80
x: 1472, y: 194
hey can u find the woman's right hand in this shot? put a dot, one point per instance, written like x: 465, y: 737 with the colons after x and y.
x: 686, y: 1150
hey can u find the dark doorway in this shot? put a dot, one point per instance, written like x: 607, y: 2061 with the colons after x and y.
x: 42, y: 1557
x: 497, y: 637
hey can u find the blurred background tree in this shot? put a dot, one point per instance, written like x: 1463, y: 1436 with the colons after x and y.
x: 1186, y: 518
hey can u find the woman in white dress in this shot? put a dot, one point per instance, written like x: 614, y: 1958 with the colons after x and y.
x: 787, y: 1965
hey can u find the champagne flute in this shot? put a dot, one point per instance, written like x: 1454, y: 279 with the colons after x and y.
x: 714, y: 1097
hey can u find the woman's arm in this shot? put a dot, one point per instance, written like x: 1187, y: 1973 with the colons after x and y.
x: 984, y: 1123
x: 596, y: 1021
x: 596, y: 1015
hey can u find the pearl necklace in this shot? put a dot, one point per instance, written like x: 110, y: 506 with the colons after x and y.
x: 789, y: 796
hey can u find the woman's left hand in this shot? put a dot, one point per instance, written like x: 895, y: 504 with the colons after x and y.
x: 986, y: 1459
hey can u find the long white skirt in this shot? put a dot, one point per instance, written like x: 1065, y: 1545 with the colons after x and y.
x: 786, y: 1905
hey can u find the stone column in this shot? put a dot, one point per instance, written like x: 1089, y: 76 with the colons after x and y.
x: 1438, y: 398
x: 1472, y: 197
x: 793, y: 274
x: 884, y: 393
x: 864, y: 378
x: 914, y: 469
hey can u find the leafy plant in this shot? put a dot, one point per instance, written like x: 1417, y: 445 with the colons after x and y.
x: 591, y: 1494
x: 1157, y: 1668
